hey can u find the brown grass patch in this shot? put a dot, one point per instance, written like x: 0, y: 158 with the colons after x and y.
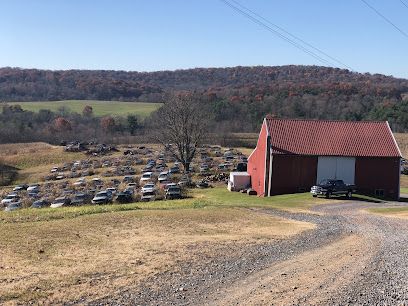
x: 402, y: 140
x: 29, y: 155
x: 95, y: 255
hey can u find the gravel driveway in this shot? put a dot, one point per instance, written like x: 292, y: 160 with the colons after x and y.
x: 352, y: 257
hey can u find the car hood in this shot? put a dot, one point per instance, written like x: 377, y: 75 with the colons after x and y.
x: 56, y: 205
x: 324, y: 186
x: 6, y: 201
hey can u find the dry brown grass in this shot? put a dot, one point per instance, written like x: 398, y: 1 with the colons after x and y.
x: 31, y: 155
x: 402, y: 140
x: 95, y: 255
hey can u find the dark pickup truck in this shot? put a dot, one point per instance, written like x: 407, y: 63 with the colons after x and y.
x: 332, y: 187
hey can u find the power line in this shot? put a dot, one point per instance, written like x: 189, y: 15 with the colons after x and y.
x: 385, y: 18
x: 295, y: 44
x: 293, y: 36
x: 406, y: 5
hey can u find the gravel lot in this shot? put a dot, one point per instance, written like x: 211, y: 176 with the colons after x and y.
x: 352, y: 257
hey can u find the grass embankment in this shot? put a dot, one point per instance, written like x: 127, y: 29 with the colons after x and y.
x: 219, y: 198
x: 100, y: 108
x: 54, y: 256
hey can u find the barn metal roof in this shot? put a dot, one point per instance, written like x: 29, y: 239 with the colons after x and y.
x: 332, y: 138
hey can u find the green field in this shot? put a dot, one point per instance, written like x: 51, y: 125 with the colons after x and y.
x: 100, y: 108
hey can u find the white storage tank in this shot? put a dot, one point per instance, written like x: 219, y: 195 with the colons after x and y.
x: 238, y: 181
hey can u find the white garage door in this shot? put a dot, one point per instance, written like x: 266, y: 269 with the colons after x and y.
x: 332, y: 167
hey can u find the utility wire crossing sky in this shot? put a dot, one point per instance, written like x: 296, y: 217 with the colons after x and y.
x: 363, y: 36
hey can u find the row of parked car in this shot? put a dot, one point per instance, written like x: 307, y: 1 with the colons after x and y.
x: 149, y: 192
x: 161, y: 178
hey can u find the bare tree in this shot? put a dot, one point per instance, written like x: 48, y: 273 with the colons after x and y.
x: 181, y: 125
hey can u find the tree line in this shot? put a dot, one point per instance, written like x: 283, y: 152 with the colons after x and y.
x: 18, y: 125
x: 237, y: 98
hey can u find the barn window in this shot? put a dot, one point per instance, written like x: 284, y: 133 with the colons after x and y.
x: 379, y: 192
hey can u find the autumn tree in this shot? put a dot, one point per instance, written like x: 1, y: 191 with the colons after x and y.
x: 63, y: 125
x: 182, y: 122
x: 108, y: 124
x: 87, y: 111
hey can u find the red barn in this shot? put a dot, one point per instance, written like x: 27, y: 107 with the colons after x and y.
x: 293, y: 155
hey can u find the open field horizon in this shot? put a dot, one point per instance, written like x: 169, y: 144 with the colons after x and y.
x: 100, y: 108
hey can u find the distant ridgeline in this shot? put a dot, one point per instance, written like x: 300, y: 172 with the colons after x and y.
x: 239, y: 96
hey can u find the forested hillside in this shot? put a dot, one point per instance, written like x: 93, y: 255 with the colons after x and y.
x: 240, y: 96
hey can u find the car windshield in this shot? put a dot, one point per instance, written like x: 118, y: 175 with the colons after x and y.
x: 174, y: 189
x: 102, y: 194
x: 79, y: 196
x: 146, y: 175
x: 327, y: 182
x: 149, y: 186
x: 59, y: 200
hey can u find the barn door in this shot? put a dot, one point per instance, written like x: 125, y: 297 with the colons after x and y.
x: 333, y: 167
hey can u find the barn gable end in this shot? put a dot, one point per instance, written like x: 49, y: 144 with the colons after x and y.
x: 257, y: 162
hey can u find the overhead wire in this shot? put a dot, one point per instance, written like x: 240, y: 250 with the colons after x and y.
x: 404, y: 3
x: 385, y: 18
x: 270, y: 29
x: 292, y: 35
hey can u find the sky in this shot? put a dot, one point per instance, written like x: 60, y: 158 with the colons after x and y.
x: 151, y: 35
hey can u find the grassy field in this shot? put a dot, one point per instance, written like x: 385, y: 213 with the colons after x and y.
x: 395, y: 212
x: 53, y: 256
x: 100, y: 108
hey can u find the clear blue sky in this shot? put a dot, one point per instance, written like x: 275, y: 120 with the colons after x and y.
x: 149, y: 35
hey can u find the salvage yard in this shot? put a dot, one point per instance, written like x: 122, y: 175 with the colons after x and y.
x: 211, y: 247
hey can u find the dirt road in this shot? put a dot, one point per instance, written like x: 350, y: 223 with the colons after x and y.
x: 352, y: 257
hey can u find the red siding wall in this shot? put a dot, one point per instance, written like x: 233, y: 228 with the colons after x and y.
x: 378, y: 173
x: 256, y: 163
x: 293, y: 173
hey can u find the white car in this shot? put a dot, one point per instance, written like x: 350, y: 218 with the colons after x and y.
x: 147, y: 176
x: 131, y: 186
x: 12, y: 197
x: 97, y: 181
x: 80, y: 182
x: 149, y: 187
x: 112, y: 190
x: 33, y: 188
x: 148, y: 196
x: 164, y: 176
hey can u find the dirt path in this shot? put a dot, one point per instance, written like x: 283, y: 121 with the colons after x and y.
x: 352, y: 257
x: 308, y: 277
